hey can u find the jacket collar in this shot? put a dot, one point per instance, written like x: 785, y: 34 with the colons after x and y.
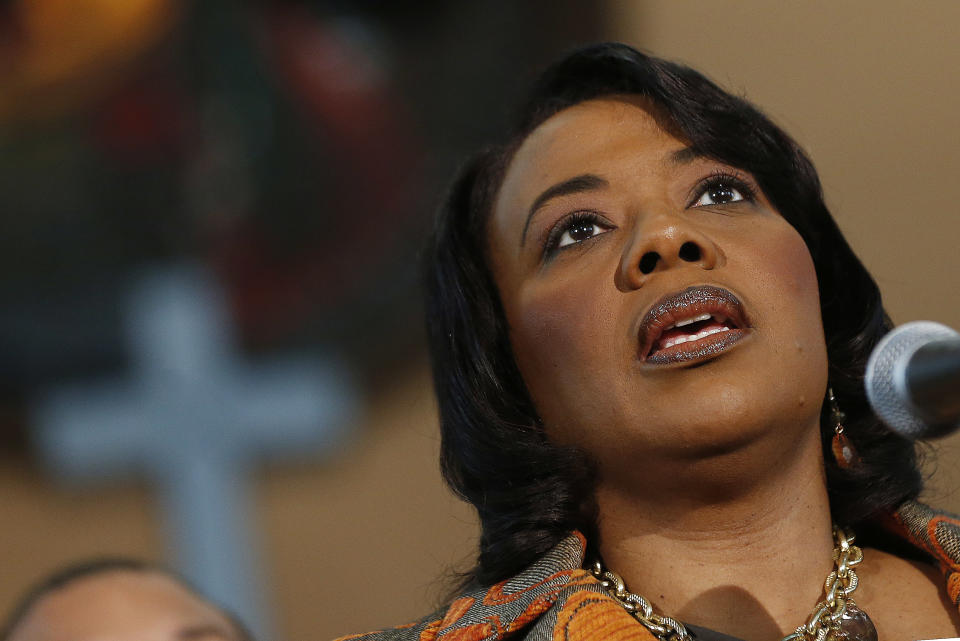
x: 555, y: 598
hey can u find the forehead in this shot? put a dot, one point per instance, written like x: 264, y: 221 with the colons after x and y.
x: 604, y: 136
x: 113, y: 604
x: 148, y: 587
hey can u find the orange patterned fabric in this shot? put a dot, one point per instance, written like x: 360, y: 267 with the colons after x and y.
x: 589, y: 616
x: 938, y: 534
x: 553, y: 599
x: 556, y: 600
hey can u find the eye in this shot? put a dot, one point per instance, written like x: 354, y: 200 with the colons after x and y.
x: 578, y: 232
x: 722, y: 190
x: 574, y: 229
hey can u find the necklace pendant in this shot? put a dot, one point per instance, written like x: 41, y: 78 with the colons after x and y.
x: 855, y: 625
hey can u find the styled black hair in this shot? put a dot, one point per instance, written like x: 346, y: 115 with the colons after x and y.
x: 96, y: 567
x: 530, y: 493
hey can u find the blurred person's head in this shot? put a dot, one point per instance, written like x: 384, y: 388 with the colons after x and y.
x: 118, y: 600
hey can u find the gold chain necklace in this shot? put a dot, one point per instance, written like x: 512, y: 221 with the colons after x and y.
x: 835, y: 618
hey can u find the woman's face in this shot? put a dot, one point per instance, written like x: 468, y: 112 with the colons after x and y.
x: 657, y: 303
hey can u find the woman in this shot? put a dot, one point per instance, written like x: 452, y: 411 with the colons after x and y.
x: 639, y: 309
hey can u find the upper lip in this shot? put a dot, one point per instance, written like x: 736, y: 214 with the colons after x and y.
x: 720, y: 303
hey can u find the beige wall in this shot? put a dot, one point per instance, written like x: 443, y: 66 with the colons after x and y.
x: 870, y: 89
x: 350, y: 544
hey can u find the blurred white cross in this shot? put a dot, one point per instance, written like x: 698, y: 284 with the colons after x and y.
x: 195, y: 419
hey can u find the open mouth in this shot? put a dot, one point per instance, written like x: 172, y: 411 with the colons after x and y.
x: 692, y: 325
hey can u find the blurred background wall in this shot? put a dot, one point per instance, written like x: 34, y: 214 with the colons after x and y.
x: 293, y: 151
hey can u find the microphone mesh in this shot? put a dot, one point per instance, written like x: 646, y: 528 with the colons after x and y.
x: 885, y: 382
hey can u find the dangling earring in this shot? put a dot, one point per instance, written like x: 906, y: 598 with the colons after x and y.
x: 843, y: 450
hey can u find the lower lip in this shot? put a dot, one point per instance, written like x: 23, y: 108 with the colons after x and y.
x: 699, y: 350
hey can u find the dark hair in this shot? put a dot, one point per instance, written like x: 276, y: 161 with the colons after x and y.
x: 96, y: 567
x: 530, y: 493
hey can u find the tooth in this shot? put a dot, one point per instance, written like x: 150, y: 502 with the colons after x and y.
x: 701, y: 317
x: 675, y: 341
x: 693, y: 337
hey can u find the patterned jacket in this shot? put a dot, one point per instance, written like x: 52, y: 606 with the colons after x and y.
x: 556, y: 599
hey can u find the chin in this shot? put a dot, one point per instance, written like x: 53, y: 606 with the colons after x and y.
x: 731, y: 419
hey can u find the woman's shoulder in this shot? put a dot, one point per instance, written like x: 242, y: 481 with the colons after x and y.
x: 554, y: 591
x: 425, y: 628
x: 935, y: 532
x: 574, y: 601
x: 905, y: 597
x: 904, y: 592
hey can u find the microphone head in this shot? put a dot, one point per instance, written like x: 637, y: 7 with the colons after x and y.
x: 886, y: 381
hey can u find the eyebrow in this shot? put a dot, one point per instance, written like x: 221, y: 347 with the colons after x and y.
x: 577, y: 184
x: 684, y: 156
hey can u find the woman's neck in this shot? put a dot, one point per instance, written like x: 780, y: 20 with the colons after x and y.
x: 746, y: 556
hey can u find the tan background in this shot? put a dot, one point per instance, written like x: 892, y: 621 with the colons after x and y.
x: 871, y: 89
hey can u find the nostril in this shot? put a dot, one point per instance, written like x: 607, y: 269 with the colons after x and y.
x: 648, y: 261
x: 689, y: 252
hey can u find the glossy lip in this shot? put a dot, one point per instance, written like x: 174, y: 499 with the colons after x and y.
x: 686, y: 304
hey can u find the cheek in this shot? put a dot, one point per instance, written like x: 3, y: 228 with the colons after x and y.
x: 558, y: 327
x: 789, y: 281
x: 791, y: 271
x: 564, y: 336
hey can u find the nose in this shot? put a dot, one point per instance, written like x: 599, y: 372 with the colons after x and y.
x: 664, y: 242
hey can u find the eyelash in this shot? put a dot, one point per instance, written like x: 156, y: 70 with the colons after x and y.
x: 565, y: 224
x: 720, y: 178
x: 725, y: 179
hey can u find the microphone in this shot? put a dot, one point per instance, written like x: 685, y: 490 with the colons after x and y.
x: 913, y: 380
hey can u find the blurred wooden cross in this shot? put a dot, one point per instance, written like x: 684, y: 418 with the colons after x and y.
x: 195, y: 419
